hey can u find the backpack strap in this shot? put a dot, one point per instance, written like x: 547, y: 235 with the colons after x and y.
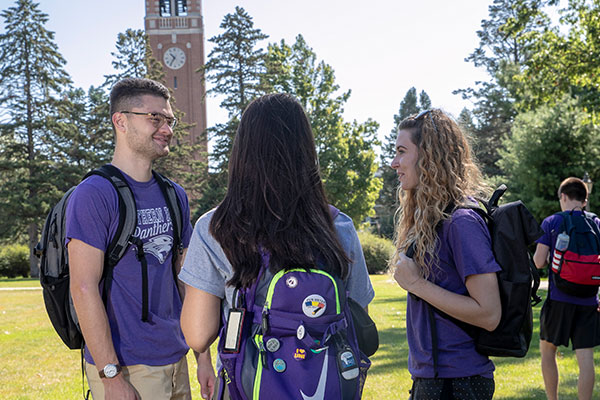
x: 176, y: 213
x: 126, y: 228
x: 127, y: 222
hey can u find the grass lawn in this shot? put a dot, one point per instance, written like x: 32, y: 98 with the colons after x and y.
x: 36, y: 365
x: 19, y: 282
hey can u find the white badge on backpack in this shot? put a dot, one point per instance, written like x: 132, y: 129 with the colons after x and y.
x: 347, y: 364
x: 234, y: 330
x: 314, y: 306
x: 291, y: 282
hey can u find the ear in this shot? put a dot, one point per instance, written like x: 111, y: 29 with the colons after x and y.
x: 118, y: 120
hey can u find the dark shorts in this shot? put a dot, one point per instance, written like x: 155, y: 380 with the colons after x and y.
x: 561, y: 321
x: 469, y: 388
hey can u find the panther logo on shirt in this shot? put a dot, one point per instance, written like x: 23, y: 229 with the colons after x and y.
x: 159, y: 247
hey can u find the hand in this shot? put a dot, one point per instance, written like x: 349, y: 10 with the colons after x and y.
x: 206, y: 378
x: 407, y: 273
x: 118, y: 388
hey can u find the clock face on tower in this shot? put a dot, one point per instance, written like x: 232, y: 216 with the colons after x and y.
x: 174, y: 58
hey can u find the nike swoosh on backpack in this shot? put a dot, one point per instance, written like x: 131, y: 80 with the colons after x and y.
x: 320, y: 392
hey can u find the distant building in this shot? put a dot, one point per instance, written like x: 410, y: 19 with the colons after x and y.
x: 176, y: 32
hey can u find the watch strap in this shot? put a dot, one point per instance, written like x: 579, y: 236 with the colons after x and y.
x: 102, y: 375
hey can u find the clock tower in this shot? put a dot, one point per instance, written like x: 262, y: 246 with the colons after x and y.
x: 176, y: 34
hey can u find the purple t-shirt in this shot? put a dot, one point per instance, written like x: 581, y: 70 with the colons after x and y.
x: 551, y: 227
x: 464, y: 248
x: 92, y: 217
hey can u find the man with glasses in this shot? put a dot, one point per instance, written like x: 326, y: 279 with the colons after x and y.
x: 128, y: 357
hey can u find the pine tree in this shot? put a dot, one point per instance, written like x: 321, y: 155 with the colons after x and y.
x: 32, y: 79
x: 134, y: 59
x: 234, y: 67
x: 387, y: 202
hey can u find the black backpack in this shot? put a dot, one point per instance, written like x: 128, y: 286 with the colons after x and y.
x: 512, y: 229
x: 54, y: 263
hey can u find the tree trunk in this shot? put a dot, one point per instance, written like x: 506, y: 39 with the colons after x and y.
x: 34, y: 269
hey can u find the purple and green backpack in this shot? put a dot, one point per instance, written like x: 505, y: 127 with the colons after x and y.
x: 291, y: 336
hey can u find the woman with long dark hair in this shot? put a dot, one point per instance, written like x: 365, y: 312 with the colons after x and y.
x: 452, y: 268
x: 276, y: 205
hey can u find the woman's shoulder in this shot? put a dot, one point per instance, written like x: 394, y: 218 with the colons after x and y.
x: 202, y: 226
x: 344, y: 225
x: 467, y: 219
x: 466, y: 215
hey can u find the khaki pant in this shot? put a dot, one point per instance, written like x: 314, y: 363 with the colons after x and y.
x: 164, y: 382
x: 217, y: 388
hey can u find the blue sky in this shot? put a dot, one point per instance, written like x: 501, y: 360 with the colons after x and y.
x: 378, y: 49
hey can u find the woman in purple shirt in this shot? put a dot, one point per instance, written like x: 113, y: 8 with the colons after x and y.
x: 452, y: 267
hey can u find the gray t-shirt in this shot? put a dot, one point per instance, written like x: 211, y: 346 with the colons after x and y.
x: 207, y: 268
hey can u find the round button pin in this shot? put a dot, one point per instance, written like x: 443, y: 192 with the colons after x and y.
x: 273, y: 345
x: 300, y: 332
x: 291, y: 282
x: 279, y: 365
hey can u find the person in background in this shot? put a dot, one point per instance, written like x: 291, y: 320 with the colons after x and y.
x: 566, y: 317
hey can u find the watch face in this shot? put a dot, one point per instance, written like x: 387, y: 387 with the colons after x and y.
x: 110, y: 370
x: 174, y: 58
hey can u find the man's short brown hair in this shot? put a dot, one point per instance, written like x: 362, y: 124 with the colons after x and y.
x: 574, y: 189
x: 125, y: 92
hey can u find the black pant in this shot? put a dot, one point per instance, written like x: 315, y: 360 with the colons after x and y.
x: 469, y: 388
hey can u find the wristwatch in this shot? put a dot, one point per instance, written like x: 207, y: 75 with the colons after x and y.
x: 110, y: 371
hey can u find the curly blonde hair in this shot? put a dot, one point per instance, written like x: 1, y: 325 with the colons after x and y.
x: 447, y: 174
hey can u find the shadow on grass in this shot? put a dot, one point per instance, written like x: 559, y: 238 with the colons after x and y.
x: 387, y: 299
x: 529, y: 394
x: 392, y: 353
x: 21, y: 279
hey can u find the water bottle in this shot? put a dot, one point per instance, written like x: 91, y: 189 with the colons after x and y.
x: 562, y: 243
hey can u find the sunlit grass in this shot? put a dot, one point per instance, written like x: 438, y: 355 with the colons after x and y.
x: 36, y: 364
x: 19, y: 282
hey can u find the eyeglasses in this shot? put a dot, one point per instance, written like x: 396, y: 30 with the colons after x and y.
x: 157, y: 119
x: 422, y: 116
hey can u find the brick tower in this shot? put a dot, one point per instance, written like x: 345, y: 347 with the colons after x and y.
x: 176, y: 34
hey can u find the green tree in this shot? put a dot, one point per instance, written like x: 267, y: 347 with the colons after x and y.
x: 424, y: 100
x: 134, y: 58
x: 234, y: 67
x: 505, y: 45
x: 565, y: 60
x: 345, y: 149
x: 547, y: 146
x: 387, y: 203
x: 80, y: 140
x: 32, y: 79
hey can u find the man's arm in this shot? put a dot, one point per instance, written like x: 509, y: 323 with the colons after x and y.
x: 86, y: 264
x: 178, y: 265
x: 540, y: 257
